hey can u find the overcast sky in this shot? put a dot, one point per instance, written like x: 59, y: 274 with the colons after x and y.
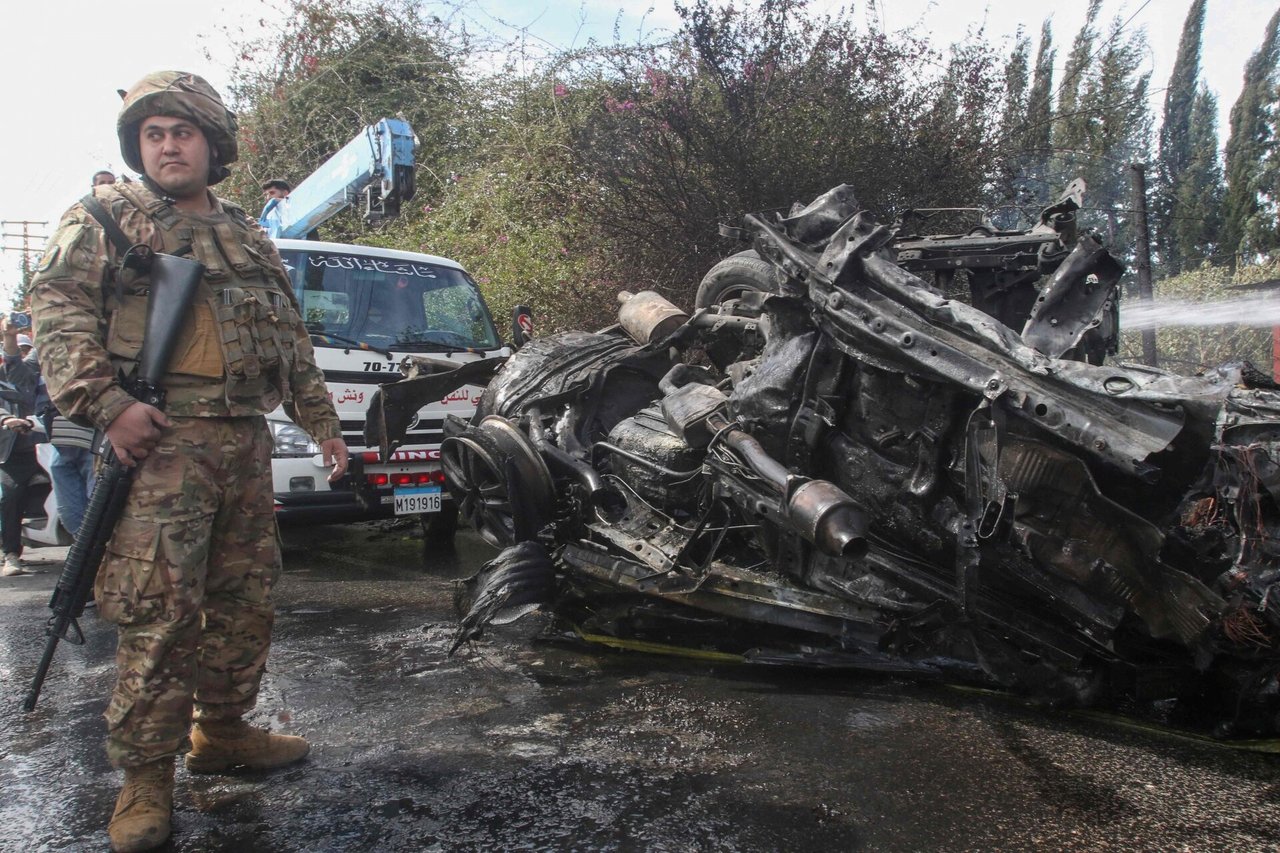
x: 64, y: 60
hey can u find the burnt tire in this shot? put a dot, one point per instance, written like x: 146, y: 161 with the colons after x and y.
x: 734, y: 276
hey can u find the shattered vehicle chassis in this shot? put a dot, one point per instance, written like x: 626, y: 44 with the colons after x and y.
x: 843, y: 467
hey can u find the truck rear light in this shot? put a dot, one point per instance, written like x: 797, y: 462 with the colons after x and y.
x: 406, y: 478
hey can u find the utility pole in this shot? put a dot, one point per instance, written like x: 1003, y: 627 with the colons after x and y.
x: 1142, y: 250
x: 30, y: 245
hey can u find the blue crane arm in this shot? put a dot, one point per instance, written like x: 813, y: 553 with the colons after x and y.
x: 377, y: 164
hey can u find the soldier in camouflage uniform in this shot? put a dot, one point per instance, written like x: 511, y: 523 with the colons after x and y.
x: 188, y: 573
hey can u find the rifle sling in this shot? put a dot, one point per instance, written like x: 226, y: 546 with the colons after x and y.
x: 108, y: 223
x: 114, y: 233
x: 117, y: 236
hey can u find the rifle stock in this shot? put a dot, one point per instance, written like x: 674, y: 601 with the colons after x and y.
x: 173, y: 283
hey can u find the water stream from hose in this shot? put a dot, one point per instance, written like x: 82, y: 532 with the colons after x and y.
x: 1257, y: 310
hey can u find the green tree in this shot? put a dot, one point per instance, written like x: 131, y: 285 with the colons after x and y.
x: 1249, y: 222
x: 1036, y: 136
x: 1195, y: 218
x: 1103, y: 124
x: 1176, y: 147
x: 1013, y: 117
x: 1016, y: 78
x: 559, y: 180
x: 522, y: 219
x: 1026, y: 128
x: 1071, y: 123
x: 336, y: 67
x: 754, y: 108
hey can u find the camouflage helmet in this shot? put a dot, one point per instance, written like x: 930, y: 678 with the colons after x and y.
x: 182, y: 95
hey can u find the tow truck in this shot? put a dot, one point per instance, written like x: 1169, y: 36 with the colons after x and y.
x: 369, y: 309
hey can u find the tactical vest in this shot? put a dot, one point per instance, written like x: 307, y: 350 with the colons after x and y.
x: 235, y: 356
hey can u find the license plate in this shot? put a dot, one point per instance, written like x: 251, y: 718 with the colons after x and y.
x: 414, y: 501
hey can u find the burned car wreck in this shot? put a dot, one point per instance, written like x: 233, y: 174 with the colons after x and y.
x: 839, y: 465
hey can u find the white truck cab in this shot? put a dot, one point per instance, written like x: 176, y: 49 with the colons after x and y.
x: 367, y: 308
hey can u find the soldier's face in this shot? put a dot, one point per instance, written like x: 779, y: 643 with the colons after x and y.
x: 175, y: 154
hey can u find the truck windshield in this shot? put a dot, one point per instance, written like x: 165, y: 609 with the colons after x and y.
x: 391, y: 304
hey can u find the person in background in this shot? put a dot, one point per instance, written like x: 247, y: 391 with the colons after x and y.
x: 189, y: 570
x: 72, y: 469
x: 274, y: 192
x: 275, y: 188
x: 103, y: 177
x: 18, y: 439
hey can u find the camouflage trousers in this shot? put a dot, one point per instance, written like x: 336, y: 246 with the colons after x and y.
x: 187, y: 578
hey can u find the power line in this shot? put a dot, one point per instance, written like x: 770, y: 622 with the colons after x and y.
x: 27, y: 237
x: 27, y: 251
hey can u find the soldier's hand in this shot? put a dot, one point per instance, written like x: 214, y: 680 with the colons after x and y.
x: 17, y: 424
x: 334, y: 452
x: 135, y: 432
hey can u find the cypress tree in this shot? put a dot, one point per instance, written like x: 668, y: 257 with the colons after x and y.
x: 1117, y: 126
x: 1013, y: 118
x: 1252, y: 139
x: 1175, y: 142
x: 1103, y: 124
x: 1196, y: 219
x: 1071, y: 126
x: 1015, y: 87
x: 1037, y: 137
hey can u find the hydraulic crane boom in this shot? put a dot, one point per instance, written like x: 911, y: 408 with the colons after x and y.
x: 378, y: 163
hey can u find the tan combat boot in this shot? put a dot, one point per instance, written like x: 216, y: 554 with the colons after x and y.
x: 221, y: 744
x: 143, y: 809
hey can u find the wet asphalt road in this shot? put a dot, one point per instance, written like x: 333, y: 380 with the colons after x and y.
x: 523, y: 745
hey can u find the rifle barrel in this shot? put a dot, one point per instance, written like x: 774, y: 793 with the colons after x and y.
x: 110, y: 491
x: 33, y: 693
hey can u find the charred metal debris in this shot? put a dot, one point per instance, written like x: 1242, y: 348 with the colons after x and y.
x: 833, y: 463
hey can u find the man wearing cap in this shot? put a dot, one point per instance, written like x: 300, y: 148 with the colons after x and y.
x: 188, y: 573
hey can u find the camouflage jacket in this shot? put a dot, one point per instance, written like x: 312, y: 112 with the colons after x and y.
x: 244, y: 349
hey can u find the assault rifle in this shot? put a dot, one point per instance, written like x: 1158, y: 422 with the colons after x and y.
x: 173, y: 283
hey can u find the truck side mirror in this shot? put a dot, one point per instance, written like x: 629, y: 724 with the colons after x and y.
x: 521, y: 326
